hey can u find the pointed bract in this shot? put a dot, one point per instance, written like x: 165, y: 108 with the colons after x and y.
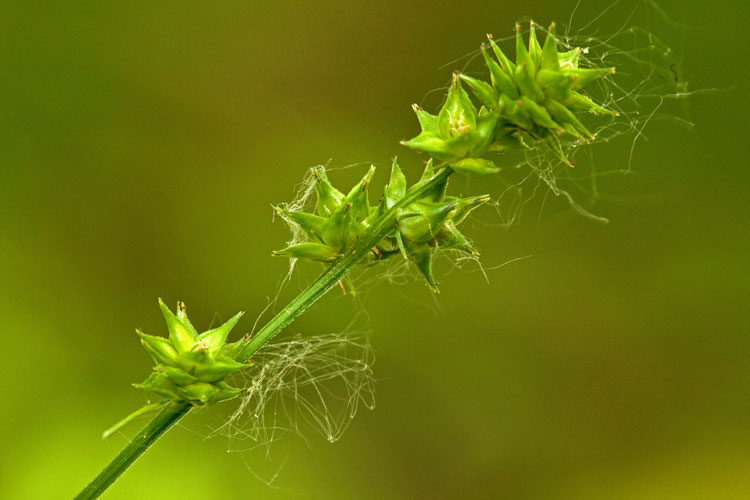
x: 309, y: 250
x: 522, y: 54
x: 526, y: 82
x: 484, y: 92
x: 177, y: 375
x: 475, y: 166
x: 159, y: 348
x: 550, y: 59
x: 458, y: 115
x: 358, y: 196
x: 427, y: 121
x: 179, y: 334
x: 582, y: 77
x: 329, y: 198
x: 535, y: 50
x: 422, y: 221
x: 539, y: 115
x: 216, y: 338
x: 582, y: 103
x: 429, y: 143
x: 421, y: 254
x: 508, y: 66
x: 501, y: 80
x: 396, y: 188
x: 311, y: 224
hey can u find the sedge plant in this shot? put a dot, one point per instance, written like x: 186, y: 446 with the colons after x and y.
x: 533, y: 101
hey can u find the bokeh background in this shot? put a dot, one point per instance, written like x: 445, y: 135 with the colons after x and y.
x: 142, y: 146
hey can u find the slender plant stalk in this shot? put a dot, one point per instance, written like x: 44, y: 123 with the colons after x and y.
x: 160, y: 424
x: 174, y: 411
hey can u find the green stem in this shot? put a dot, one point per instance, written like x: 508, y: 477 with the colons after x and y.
x: 173, y: 412
x: 160, y: 424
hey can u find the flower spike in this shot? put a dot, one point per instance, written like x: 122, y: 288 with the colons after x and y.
x: 534, y: 98
x: 421, y: 228
x: 191, y: 367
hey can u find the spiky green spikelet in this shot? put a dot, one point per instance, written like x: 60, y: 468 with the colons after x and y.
x: 421, y: 228
x: 338, y: 222
x: 535, y: 97
x: 191, y: 366
x: 428, y: 224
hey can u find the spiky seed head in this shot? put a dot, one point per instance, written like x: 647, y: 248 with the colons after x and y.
x: 190, y: 366
x: 537, y: 96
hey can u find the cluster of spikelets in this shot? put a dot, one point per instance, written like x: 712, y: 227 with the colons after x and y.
x: 191, y: 366
x: 535, y: 97
x: 420, y: 227
x: 530, y: 103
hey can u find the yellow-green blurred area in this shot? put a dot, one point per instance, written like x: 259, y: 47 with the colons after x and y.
x: 143, y: 143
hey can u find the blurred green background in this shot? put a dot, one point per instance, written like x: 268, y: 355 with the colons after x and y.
x: 142, y: 146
